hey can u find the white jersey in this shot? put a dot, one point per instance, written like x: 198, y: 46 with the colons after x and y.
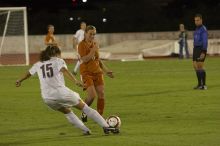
x: 79, y: 35
x: 52, y: 82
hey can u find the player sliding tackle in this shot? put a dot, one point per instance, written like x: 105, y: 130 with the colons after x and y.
x: 50, y: 70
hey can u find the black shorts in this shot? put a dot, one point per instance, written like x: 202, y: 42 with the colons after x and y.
x: 197, y: 51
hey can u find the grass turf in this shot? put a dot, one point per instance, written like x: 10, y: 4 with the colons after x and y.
x: 154, y: 99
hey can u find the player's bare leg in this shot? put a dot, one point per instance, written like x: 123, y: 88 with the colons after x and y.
x: 101, y: 99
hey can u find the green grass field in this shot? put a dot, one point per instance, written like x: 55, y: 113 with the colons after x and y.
x: 154, y: 99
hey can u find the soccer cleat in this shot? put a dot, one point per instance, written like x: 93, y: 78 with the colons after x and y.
x: 203, y: 87
x: 115, y: 131
x: 84, y: 117
x: 87, y: 133
x: 107, y: 130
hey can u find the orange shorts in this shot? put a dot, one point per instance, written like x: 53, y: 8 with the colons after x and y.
x: 94, y: 79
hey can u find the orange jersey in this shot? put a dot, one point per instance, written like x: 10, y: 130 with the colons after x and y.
x: 49, y: 38
x: 92, y: 66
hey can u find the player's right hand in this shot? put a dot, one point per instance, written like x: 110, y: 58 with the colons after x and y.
x: 110, y: 74
x: 17, y: 83
x: 202, y: 56
x: 95, y: 45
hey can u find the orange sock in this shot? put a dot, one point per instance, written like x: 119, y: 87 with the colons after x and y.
x: 100, y: 105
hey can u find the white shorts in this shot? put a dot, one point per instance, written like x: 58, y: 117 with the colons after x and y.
x: 68, y: 100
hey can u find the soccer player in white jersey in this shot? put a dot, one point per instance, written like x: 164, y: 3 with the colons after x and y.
x: 77, y: 38
x: 51, y: 70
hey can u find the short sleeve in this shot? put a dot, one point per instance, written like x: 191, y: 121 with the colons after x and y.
x: 77, y: 35
x: 33, y: 70
x: 61, y: 63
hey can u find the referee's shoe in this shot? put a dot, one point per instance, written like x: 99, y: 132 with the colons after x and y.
x: 201, y: 87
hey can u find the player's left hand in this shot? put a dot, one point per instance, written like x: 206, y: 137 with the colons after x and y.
x: 17, y: 83
x: 202, y: 56
x: 110, y: 74
x: 79, y: 83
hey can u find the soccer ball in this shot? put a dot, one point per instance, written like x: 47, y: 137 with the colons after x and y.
x: 114, y: 121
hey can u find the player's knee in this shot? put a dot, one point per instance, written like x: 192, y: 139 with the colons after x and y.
x: 89, y: 101
x: 199, y: 67
x: 87, y: 110
x: 195, y: 66
x: 92, y: 95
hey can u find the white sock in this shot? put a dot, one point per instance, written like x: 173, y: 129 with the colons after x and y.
x: 77, y: 66
x: 73, y: 119
x: 93, y: 114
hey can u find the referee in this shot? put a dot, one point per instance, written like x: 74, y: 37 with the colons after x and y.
x: 200, y: 43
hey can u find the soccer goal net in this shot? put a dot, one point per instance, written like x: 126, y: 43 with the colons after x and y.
x: 13, y: 36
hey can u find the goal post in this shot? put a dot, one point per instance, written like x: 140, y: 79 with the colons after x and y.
x: 13, y: 36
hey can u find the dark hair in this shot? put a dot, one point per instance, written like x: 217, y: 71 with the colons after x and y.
x: 199, y: 15
x: 49, y: 52
x: 90, y: 27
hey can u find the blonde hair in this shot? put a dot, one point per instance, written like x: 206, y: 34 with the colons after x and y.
x: 90, y: 27
x: 50, y: 25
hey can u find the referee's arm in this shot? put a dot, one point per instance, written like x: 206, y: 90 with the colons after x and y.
x: 204, y: 41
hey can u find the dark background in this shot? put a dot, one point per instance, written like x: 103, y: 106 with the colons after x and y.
x: 121, y: 15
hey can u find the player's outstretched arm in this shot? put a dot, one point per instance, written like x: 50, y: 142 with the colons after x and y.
x: 106, y: 70
x: 24, y: 77
x: 70, y: 76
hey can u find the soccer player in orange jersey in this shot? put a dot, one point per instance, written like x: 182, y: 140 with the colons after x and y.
x: 92, y: 69
x: 50, y: 38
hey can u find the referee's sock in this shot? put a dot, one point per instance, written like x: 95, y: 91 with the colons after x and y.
x: 198, y: 74
x: 203, y: 77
